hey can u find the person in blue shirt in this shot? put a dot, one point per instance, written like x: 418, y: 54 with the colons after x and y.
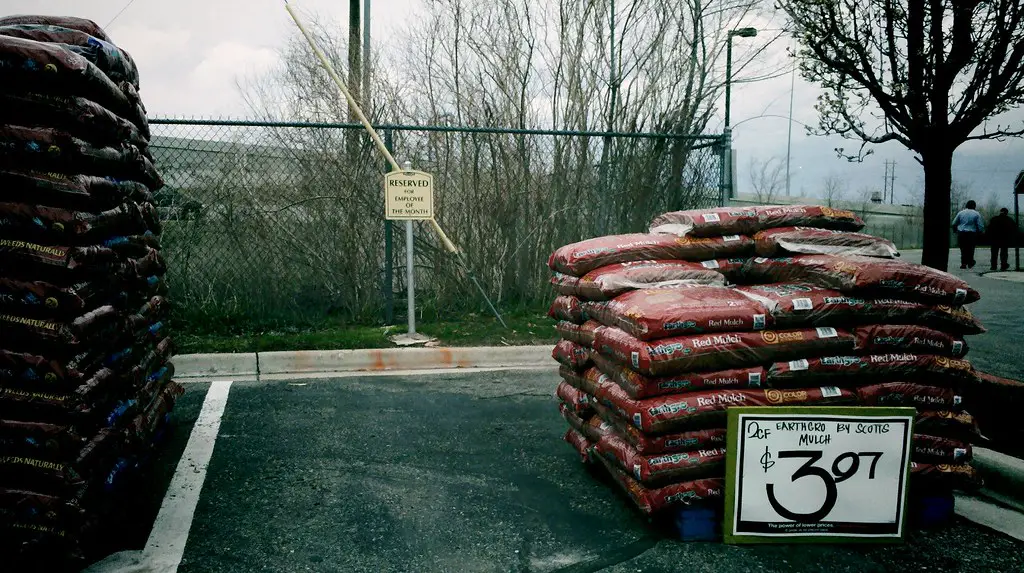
x: 969, y: 228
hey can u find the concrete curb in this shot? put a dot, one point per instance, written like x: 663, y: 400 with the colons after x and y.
x: 1003, y: 474
x: 370, y: 360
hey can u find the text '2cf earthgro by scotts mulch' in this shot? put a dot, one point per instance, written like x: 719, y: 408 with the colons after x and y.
x: 759, y: 306
x: 85, y: 377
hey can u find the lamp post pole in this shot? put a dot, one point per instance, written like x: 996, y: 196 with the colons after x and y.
x: 743, y: 33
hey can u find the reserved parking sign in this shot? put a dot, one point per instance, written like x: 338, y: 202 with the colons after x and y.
x: 817, y: 474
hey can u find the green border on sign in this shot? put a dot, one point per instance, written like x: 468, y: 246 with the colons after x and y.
x: 732, y: 447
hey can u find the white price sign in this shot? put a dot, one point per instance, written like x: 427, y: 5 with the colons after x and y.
x: 817, y: 474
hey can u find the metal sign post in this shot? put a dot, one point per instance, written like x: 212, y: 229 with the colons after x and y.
x: 1018, y: 189
x: 409, y: 196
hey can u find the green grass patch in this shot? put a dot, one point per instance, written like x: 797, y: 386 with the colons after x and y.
x: 524, y: 328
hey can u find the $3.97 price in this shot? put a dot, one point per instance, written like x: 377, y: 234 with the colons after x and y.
x: 810, y: 469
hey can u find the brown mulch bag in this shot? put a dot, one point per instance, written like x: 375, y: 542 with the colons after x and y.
x: 872, y: 369
x: 53, y: 225
x: 654, y: 314
x: 809, y: 241
x: 69, y: 477
x: 750, y: 220
x: 578, y: 259
x: 60, y: 265
x: 577, y: 400
x: 579, y: 442
x: 572, y: 355
x: 687, y: 441
x: 639, y: 386
x: 938, y: 450
x: 133, y: 246
x: 719, y: 351
x: 945, y: 476
x: 77, y: 116
x: 797, y: 304
x: 40, y: 299
x: 76, y: 192
x: 116, y: 63
x: 864, y: 275
x: 582, y: 334
x: 653, y: 500
x: 955, y: 425
x: 609, y: 282
x: 905, y: 394
x: 37, y: 529
x: 48, y: 149
x: 882, y: 338
x: 144, y: 426
x: 39, y: 440
x: 41, y: 67
x: 30, y: 334
x: 80, y: 24
x: 567, y: 308
x: 660, y: 469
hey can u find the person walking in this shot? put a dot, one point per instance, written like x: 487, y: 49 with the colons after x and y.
x: 1002, y: 232
x: 968, y: 226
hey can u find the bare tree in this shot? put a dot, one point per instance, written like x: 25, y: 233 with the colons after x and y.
x: 834, y: 191
x: 936, y: 70
x: 767, y: 178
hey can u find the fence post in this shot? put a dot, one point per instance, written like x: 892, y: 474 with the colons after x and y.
x: 389, y: 269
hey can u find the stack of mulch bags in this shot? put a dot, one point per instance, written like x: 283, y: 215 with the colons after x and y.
x: 760, y: 306
x: 85, y: 377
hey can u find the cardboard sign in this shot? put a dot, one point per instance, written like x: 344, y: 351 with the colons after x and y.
x: 409, y: 195
x: 817, y: 474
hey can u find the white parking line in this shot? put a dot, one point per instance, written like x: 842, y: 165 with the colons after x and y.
x: 166, y: 544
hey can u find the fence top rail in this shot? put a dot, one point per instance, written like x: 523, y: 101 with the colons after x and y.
x: 437, y: 128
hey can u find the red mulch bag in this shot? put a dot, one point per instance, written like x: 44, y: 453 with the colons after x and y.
x: 945, y: 476
x: 77, y: 116
x: 77, y: 192
x: 575, y: 422
x: 687, y: 441
x: 749, y: 220
x: 582, y: 334
x: 905, y: 394
x: 732, y: 268
x: 938, y: 450
x: 579, y: 443
x: 52, y: 225
x: 572, y: 355
x: 873, y: 368
x: 567, y: 308
x: 117, y: 64
x: 864, y: 275
x: 659, y: 469
x: 639, y: 386
x: 80, y: 24
x: 955, y: 425
x: 882, y: 338
x: 578, y: 259
x: 574, y: 398
x: 653, y: 500
x: 609, y: 282
x: 654, y: 314
x: 809, y: 241
x: 719, y: 351
x: 47, y: 149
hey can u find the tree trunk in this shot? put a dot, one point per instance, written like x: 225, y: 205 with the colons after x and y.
x: 938, y: 179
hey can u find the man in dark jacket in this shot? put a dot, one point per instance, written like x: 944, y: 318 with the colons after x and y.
x: 1002, y: 231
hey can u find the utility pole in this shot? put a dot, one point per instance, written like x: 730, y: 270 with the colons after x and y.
x: 367, y: 56
x: 355, y: 58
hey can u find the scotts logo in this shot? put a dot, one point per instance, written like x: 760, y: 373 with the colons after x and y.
x: 772, y: 337
x: 844, y: 267
x: 957, y: 469
x: 837, y: 213
x: 775, y: 396
x: 952, y: 363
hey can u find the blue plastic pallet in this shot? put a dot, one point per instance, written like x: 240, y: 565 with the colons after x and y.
x: 697, y: 523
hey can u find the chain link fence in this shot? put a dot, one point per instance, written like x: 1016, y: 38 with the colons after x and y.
x: 271, y: 225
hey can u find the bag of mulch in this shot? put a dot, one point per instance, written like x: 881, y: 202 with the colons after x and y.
x: 654, y: 314
x: 596, y: 428
x: 40, y: 299
x: 723, y: 351
x: 864, y: 276
x: 750, y: 220
x: 580, y: 258
x: 39, y: 440
x: 574, y: 420
x: 145, y: 426
x: 797, y: 304
x: 920, y: 396
x: 152, y: 217
x: 582, y: 334
x: 609, y: 282
x: 75, y: 192
x: 639, y: 386
x: 572, y: 355
x: 577, y: 400
x: 872, y: 369
x: 647, y: 444
x: 731, y: 269
x: 25, y: 334
x: 653, y: 500
x: 805, y: 240
x: 48, y: 149
x: 660, y: 469
x: 945, y: 476
x: 954, y: 425
x: 938, y: 450
x: 80, y: 24
x: 133, y: 246
x: 116, y: 63
x: 53, y: 225
x: 579, y: 442
x: 885, y: 338
x: 68, y: 477
x: 40, y: 67
x: 568, y: 309
x: 79, y: 117
x: 40, y: 532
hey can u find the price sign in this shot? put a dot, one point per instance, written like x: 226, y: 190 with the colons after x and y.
x: 806, y: 474
x: 409, y: 195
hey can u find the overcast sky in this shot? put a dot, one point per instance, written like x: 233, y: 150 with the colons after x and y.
x: 191, y: 52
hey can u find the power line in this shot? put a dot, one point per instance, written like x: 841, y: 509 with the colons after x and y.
x: 118, y: 15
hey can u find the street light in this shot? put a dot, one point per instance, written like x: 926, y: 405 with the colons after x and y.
x: 743, y: 33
